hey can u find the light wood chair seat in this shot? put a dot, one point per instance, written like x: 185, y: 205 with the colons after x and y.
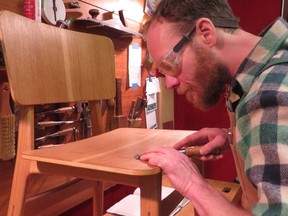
x: 110, y: 157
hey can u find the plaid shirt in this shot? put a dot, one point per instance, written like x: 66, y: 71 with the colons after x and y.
x: 262, y: 120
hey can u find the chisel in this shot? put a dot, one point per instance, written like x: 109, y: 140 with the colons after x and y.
x: 44, y: 124
x: 59, y: 110
x: 57, y: 134
x: 189, y: 151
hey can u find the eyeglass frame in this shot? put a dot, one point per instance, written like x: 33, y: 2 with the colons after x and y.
x: 174, y: 53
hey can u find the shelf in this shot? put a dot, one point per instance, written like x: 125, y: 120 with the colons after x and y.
x: 113, y: 28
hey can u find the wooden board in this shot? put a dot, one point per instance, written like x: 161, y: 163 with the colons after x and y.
x: 112, y: 151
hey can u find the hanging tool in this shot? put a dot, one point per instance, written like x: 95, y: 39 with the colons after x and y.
x: 132, y: 109
x: 118, y: 120
x: 44, y: 124
x: 57, y: 134
x: 87, y: 124
x: 55, y: 145
x: 140, y: 109
x: 49, y: 145
x: 7, y: 125
x: 122, y: 18
x: 59, y: 110
x: 137, y: 107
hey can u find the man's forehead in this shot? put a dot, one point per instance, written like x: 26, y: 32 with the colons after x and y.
x: 161, y: 29
x: 162, y: 34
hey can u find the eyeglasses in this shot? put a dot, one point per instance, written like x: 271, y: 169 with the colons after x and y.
x: 170, y: 63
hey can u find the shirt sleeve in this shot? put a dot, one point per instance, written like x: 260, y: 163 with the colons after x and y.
x: 262, y: 125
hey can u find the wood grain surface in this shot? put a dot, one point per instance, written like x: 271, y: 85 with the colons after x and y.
x: 112, y: 151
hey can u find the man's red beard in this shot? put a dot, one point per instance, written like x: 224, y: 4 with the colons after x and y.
x: 211, y: 78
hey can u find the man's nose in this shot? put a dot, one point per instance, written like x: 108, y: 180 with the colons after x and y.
x: 171, y: 82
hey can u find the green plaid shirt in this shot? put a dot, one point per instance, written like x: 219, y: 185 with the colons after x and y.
x: 262, y: 120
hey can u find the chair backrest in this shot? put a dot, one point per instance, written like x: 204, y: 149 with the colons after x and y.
x: 46, y: 64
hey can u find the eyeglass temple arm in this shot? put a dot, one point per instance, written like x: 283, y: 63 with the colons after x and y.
x: 218, y: 22
x: 184, y: 39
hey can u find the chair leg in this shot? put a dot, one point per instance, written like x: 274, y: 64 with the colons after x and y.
x: 151, y: 199
x: 22, y: 167
x: 98, y: 199
x: 19, y: 185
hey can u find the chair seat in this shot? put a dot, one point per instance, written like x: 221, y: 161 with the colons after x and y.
x: 109, y: 157
x: 110, y: 152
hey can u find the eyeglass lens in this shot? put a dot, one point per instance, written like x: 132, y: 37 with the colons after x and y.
x: 168, y: 65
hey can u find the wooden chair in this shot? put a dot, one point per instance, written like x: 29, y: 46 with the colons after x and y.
x: 47, y: 65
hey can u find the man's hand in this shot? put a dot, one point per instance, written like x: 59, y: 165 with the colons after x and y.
x: 210, y: 139
x: 180, y: 170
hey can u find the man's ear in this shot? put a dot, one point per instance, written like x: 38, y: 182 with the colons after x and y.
x: 206, y: 31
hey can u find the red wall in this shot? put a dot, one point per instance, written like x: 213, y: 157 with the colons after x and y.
x: 257, y: 14
x: 254, y: 17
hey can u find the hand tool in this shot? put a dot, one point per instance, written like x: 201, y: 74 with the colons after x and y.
x: 118, y: 110
x: 137, y: 105
x: 44, y: 124
x: 181, y: 205
x: 195, y: 151
x: 141, y: 109
x: 132, y: 109
x: 49, y: 145
x: 87, y: 124
x: 59, y: 110
x: 189, y: 151
x: 118, y: 120
x: 121, y: 16
x: 57, y: 134
x: 7, y: 125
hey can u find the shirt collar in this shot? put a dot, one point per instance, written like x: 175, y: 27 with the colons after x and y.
x: 272, y: 39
